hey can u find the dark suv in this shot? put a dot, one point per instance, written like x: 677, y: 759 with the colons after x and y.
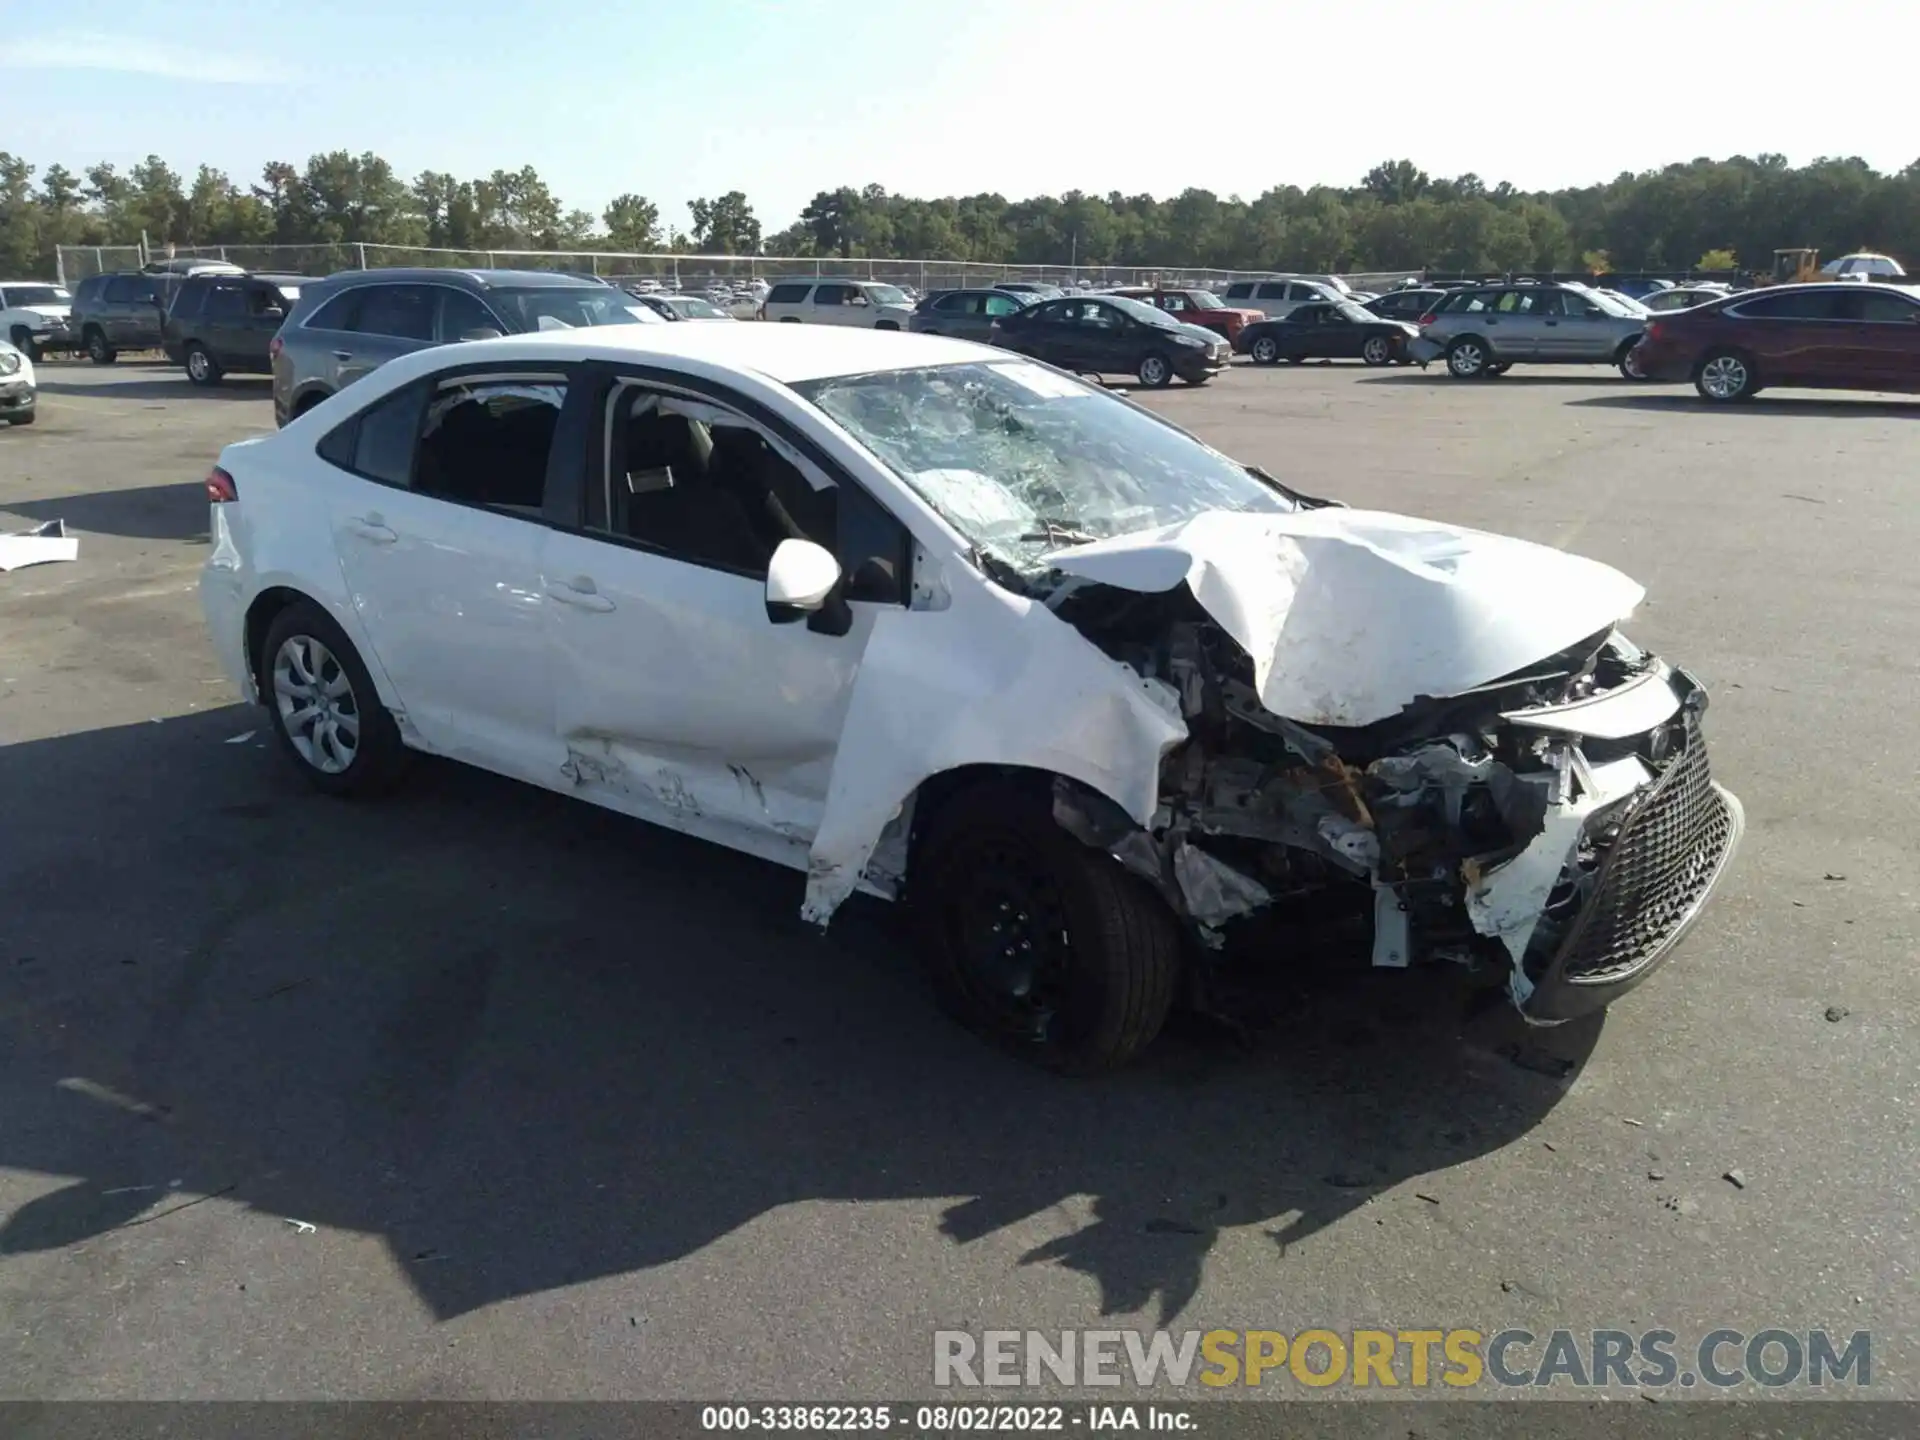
x: 219, y: 323
x: 118, y: 312
x: 350, y: 324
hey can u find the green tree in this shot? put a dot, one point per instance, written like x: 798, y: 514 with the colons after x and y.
x: 633, y: 223
x: 725, y: 226
x: 1717, y: 260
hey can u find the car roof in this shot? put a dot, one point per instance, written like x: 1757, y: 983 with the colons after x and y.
x: 482, y: 278
x: 787, y: 354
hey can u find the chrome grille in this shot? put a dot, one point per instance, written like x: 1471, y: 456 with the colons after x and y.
x: 1656, y: 872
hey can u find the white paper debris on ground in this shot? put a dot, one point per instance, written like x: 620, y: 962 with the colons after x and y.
x: 240, y: 739
x: 38, y: 546
x: 301, y: 1227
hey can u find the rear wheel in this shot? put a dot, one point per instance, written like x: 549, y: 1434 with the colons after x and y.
x: 1377, y: 351
x: 1265, y: 351
x: 886, y: 325
x: 98, y: 350
x: 1629, y: 367
x: 1468, y: 358
x: 1038, y: 942
x: 1155, y: 371
x: 325, y: 710
x: 202, y: 368
x: 1726, y: 377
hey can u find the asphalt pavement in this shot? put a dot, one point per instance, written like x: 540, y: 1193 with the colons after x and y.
x: 482, y: 1093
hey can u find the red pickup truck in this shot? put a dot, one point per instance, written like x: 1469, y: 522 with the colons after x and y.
x: 1197, y: 307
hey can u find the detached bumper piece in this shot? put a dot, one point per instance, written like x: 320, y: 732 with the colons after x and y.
x: 1646, y: 885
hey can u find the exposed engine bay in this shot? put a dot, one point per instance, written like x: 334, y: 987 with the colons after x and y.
x: 1559, y: 823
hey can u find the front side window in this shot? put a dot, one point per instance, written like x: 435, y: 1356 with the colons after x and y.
x: 555, y: 307
x: 1879, y: 307
x: 833, y: 294
x: 1022, y: 460
x: 129, y: 289
x: 1174, y: 302
x: 1307, y: 314
x: 1274, y: 290
x: 461, y: 314
x: 225, y: 302
x: 485, y: 441
x: 1240, y: 290
x: 1792, y: 305
x: 403, y: 312
x: 999, y: 304
x: 884, y: 294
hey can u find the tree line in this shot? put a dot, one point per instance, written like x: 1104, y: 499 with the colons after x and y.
x: 1704, y: 214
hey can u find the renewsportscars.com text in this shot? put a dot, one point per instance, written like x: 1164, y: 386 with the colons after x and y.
x: 1396, y: 1359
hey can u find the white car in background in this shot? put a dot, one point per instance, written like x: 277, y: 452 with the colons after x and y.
x: 867, y: 304
x: 924, y: 619
x: 33, y: 317
x: 19, y: 392
x: 1865, y: 264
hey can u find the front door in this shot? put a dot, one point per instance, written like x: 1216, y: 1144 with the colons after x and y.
x: 676, y: 698
x: 441, y: 533
x: 1338, y: 336
x: 1573, y: 328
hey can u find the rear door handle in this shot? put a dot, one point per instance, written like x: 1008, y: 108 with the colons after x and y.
x: 579, y: 592
x: 371, y: 527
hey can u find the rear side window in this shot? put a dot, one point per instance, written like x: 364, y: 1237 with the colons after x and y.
x: 337, y: 313
x: 1273, y: 290
x: 1240, y: 290
x: 1793, y: 305
x: 787, y: 294
x: 378, y: 442
x: 90, y: 288
x: 486, y: 442
x: 1467, y: 302
x: 187, y: 304
x: 225, y: 302
x: 404, y: 312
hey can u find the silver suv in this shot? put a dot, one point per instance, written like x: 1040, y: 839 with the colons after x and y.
x: 1482, y: 329
x: 348, y: 324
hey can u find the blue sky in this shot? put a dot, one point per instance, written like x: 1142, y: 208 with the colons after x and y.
x: 780, y: 98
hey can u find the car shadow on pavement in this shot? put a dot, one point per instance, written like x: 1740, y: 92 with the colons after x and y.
x: 1669, y: 404
x: 1436, y: 374
x: 528, y: 1043
x: 145, y: 512
x: 234, y: 387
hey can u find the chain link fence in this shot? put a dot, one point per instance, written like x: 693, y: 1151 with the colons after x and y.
x: 672, y: 270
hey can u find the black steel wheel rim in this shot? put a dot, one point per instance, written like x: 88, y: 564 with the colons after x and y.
x: 1007, y: 930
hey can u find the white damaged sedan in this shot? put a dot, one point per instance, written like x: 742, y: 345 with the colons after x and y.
x: 1112, y: 712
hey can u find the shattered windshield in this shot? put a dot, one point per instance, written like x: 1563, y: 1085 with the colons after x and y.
x: 1023, y: 460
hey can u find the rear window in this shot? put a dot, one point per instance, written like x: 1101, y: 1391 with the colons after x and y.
x: 788, y: 294
x: 1240, y: 290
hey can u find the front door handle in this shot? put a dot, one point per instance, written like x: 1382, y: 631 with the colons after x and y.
x: 580, y: 592
x: 343, y: 354
x: 372, y: 527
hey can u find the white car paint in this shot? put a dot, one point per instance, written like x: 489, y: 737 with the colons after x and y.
x: 1864, y: 263
x: 44, y: 321
x: 872, y: 306
x: 661, y: 689
x: 1349, y: 614
x: 17, y: 379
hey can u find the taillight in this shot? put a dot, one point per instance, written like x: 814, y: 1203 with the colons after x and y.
x: 220, y: 487
x: 1653, y: 330
x: 1426, y: 320
x: 274, y: 348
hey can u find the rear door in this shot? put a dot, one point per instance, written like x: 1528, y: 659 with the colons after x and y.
x: 995, y: 306
x: 380, y: 323
x: 832, y: 304
x: 1270, y: 299
x: 131, y: 312
x: 439, y: 520
x: 1797, y: 335
x: 222, y: 324
x: 1516, y: 325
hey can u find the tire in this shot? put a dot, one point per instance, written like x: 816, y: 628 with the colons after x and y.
x: 1098, y: 953
x: 885, y: 325
x: 24, y: 342
x: 19, y: 420
x: 1494, y: 372
x: 307, y: 402
x: 98, y: 350
x: 789, y: 319
x: 1156, y: 371
x: 202, y: 368
x: 1198, y: 379
x: 306, y: 656
x: 1624, y: 360
x: 1468, y: 358
x: 1726, y: 377
x: 1378, y: 350
x: 1265, y: 351
x: 1296, y: 359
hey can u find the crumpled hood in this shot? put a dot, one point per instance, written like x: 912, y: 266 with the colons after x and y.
x: 1351, y: 615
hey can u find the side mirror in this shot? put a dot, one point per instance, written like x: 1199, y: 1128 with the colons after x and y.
x: 274, y: 312
x: 803, y: 579
x: 483, y: 332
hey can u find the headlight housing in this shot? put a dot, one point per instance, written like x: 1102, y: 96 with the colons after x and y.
x: 9, y: 362
x: 1190, y: 340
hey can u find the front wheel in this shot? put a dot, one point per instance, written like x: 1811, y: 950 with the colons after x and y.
x: 1038, y: 942
x: 98, y: 350
x: 1265, y: 351
x: 24, y: 342
x: 1726, y: 377
x: 1377, y: 351
x: 1468, y: 358
x: 1156, y: 371
x: 324, y: 708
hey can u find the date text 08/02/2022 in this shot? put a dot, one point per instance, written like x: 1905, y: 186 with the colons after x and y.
x: 946, y: 1419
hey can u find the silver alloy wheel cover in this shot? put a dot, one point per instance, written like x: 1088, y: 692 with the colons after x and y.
x: 318, y: 710
x: 1459, y: 363
x: 1375, y: 349
x: 197, y: 365
x: 1723, y: 377
x: 1152, y: 370
x: 1266, y: 349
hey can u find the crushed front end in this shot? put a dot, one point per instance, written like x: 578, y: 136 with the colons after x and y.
x: 1559, y: 827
